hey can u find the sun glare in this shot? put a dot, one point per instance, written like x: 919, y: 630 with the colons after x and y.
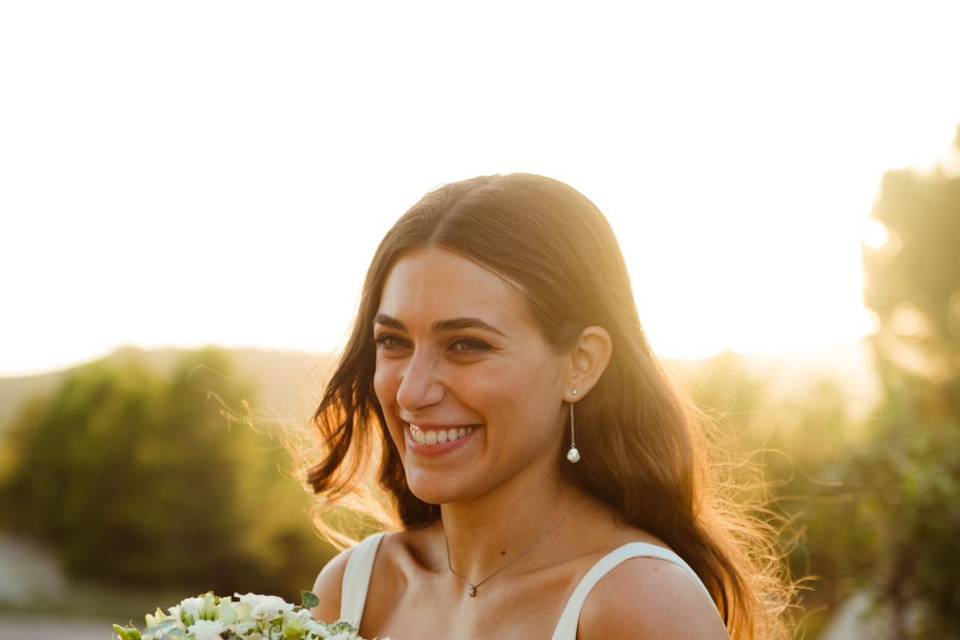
x: 234, y: 188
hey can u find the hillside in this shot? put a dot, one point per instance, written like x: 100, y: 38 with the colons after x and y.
x: 289, y: 382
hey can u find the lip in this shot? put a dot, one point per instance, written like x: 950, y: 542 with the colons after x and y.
x: 434, y: 451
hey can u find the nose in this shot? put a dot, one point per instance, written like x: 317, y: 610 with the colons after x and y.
x: 420, y: 384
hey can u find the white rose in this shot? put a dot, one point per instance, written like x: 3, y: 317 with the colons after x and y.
x: 317, y: 628
x: 320, y: 630
x: 207, y: 629
x: 297, y: 617
x: 192, y: 607
x: 175, y: 614
x: 264, y: 607
x: 227, y: 611
x: 242, y: 628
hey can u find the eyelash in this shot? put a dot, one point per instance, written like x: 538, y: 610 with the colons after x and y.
x: 478, y: 345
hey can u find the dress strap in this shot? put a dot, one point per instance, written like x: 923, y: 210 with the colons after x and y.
x: 567, y: 627
x: 356, y: 578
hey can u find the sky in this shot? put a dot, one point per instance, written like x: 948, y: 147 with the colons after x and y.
x: 191, y: 173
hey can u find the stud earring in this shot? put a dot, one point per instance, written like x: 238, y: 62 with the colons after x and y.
x: 572, y: 455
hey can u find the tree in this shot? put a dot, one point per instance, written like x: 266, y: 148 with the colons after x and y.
x: 908, y: 479
x: 145, y: 480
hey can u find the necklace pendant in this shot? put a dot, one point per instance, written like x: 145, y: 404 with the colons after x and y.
x: 472, y: 591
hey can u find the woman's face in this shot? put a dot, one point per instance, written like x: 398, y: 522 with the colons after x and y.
x: 456, y: 346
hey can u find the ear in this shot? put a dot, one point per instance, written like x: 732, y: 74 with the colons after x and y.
x: 587, y: 361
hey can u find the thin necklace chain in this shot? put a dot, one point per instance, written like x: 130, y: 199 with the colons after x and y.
x: 472, y: 591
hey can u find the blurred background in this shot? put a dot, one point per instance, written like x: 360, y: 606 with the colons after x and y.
x: 191, y: 192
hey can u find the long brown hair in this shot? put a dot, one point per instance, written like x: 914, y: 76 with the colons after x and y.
x: 646, y: 438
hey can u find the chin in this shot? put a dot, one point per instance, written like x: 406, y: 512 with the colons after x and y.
x: 438, y: 489
x: 431, y: 493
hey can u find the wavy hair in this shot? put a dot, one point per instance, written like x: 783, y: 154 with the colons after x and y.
x: 648, y: 440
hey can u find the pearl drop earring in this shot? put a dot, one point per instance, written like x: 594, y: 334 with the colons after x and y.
x: 572, y: 455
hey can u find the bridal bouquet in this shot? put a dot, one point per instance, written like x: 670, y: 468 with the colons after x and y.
x: 252, y: 617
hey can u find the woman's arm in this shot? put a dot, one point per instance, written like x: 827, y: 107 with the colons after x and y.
x: 327, y: 588
x: 649, y: 598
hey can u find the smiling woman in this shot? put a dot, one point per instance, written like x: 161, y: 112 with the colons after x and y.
x: 537, y: 474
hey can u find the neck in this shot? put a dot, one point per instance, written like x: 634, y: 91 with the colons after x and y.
x: 486, y: 532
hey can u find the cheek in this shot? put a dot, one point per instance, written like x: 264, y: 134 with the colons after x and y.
x: 385, y: 388
x: 382, y: 382
x: 520, y: 403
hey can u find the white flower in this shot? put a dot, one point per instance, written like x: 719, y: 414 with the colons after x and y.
x: 264, y: 607
x: 191, y: 607
x: 242, y: 628
x: 300, y: 616
x: 207, y: 629
x: 253, y: 617
x: 321, y: 630
x: 343, y: 635
x: 226, y: 611
x: 317, y: 628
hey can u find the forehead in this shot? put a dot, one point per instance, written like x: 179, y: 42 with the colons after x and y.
x: 435, y: 284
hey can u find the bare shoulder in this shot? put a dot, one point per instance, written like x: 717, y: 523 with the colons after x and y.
x: 327, y: 587
x: 649, y: 598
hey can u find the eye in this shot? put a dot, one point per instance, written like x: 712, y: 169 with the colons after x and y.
x: 460, y: 346
x: 384, y: 340
x: 471, y: 345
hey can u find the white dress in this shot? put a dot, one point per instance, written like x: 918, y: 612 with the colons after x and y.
x: 356, y: 580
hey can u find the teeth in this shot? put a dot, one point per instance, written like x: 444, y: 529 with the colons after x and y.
x: 433, y: 437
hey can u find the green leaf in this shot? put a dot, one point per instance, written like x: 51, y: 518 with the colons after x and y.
x: 310, y: 599
x: 126, y: 633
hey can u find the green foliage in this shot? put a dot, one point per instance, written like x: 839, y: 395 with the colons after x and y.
x: 126, y: 633
x: 878, y: 504
x: 907, y: 480
x: 151, y: 481
x: 789, y: 448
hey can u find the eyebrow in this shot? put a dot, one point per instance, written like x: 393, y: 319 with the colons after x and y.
x: 452, y: 324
